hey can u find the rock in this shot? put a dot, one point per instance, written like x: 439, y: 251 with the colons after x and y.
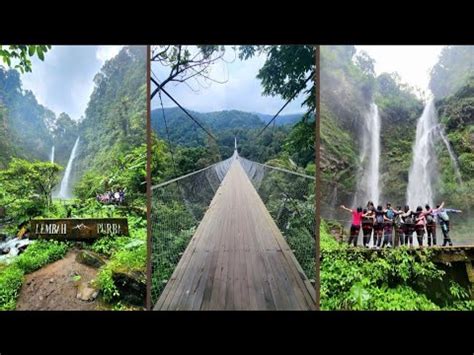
x: 86, y: 293
x: 22, y: 248
x: 3, y: 237
x: 51, y: 281
x: 132, y: 286
x: 90, y: 258
x: 5, y: 251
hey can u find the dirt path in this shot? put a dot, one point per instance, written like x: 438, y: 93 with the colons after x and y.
x: 55, y: 286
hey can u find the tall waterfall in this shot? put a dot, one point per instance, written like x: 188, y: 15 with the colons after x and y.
x: 52, y: 154
x: 423, y: 169
x: 452, y: 156
x: 65, y: 189
x: 369, y: 182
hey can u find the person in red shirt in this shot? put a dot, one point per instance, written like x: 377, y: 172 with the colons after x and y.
x: 357, y: 216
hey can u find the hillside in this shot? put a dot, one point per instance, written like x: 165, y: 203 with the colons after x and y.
x: 182, y: 130
x: 115, y: 118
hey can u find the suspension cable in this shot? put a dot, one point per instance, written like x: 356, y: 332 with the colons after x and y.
x: 160, y: 88
x: 168, y: 137
x: 287, y: 102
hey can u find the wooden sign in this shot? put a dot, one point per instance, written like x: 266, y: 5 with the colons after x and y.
x: 77, y: 228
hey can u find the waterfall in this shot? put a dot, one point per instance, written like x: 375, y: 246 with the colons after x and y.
x: 65, y: 190
x: 52, y: 154
x: 369, y: 183
x: 454, y: 160
x: 423, y: 167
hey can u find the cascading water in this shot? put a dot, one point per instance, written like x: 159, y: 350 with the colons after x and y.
x: 52, y: 154
x: 423, y: 169
x: 454, y: 160
x: 65, y: 190
x: 369, y: 183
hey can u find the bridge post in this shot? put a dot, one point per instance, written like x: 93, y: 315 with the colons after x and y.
x: 470, y: 275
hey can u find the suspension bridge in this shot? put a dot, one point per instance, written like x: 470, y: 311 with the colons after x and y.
x: 236, y: 235
x: 237, y: 257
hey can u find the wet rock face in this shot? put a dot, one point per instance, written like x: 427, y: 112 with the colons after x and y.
x: 90, y: 258
x: 132, y: 286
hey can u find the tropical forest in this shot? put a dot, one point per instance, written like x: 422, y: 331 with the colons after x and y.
x: 196, y: 158
x: 385, y: 140
x: 55, y: 167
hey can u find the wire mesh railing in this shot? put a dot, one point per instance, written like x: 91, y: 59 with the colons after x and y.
x: 178, y: 206
x: 289, y: 198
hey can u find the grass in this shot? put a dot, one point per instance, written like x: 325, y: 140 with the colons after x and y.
x: 35, y: 256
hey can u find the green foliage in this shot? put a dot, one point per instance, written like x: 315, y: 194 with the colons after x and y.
x: 36, y: 256
x: 285, y: 70
x: 11, y: 279
x: 392, y: 279
x: 127, y: 172
x: 456, y: 113
x: 454, y: 66
x: 115, y: 118
x: 348, y: 86
x: 25, y: 121
x: 39, y: 254
x: 19, y: 55
x: 127, y: 254
x: 26, y: 187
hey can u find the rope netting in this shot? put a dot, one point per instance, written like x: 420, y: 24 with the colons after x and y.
x: 177, y: 208
x: 289, y: 198
x: 179, y: 205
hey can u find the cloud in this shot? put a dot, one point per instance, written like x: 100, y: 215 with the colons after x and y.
x: 104, y: 53
x: 63, y: 82
x: 412, y: 63
x: 241, y: 90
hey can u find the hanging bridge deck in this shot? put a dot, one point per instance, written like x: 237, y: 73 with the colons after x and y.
x: 237, y: 258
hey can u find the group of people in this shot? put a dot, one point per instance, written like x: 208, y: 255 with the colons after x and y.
x: 117, y: 197
x: 381, y: 223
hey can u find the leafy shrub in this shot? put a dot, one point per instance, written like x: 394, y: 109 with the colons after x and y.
x: 37, y: 255
x: 391, y: 279
x: 11, y: 279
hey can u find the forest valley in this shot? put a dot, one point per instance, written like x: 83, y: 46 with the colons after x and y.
x: 108, y: 273
x: 393, y: 279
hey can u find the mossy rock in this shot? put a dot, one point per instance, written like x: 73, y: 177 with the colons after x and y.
x: 90, y: 258
x: 131, y: 286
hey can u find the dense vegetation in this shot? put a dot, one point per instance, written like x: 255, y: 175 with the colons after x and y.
x: 349, y: 85
x: 392, y: 279
x: 36, y: 256
x: 111, y: 155
x: 180, y: 147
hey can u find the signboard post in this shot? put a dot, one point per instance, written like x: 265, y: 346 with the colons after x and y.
x: 81, y: 229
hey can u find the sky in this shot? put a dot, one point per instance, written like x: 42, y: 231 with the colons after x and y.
x: 63, y: 82
x: 412, y: 63
x: 241, y: 90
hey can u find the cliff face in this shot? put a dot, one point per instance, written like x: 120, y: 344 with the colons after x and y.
x: 348, y: 87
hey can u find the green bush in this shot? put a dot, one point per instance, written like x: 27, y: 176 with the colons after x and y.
x: 131, y: 258
x: 39, y: 254
x: 11, y: 279
x: 35, y: 256
x: 391, y: 279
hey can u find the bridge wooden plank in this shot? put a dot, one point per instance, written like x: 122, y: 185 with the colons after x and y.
x: 237, y: 259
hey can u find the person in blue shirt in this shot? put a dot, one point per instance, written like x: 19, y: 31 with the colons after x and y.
x: 443, y: 220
